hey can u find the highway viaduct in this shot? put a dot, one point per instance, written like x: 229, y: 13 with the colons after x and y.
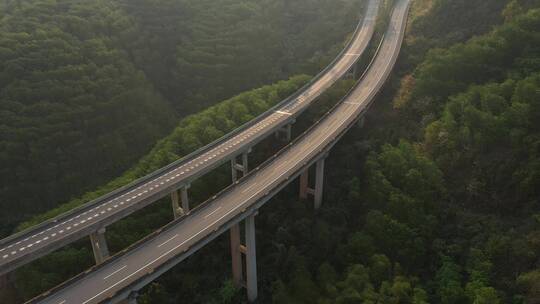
x: 174, y: 180
x: 120, y: 277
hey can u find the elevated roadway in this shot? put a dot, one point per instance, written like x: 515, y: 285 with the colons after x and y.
x: 129, y: 271
x: 92, y: 218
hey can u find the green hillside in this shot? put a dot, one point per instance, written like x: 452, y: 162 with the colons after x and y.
x: 88, y: 87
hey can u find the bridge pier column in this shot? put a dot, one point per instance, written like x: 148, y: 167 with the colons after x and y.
x: 362, y: 121
x: 178, y: 199
x: 285, y: 133
x: 317, y: 192
x: 350, y: 74
x: 132, y: 299
x: 247, y: 278
x: 319, y: 183
x: 353, y: 72
x: 304, y: 184
x: 251, y: 259
x: 236, y: 256
x: 99, y: 246
x: 3, y: 281
x: 239, y: 167
x: 356, y: 71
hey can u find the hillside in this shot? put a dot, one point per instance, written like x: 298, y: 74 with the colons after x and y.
x: 88, y: 88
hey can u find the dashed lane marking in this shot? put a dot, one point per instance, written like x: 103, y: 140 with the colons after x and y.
x: 175, y: 236
x: 115, y: 272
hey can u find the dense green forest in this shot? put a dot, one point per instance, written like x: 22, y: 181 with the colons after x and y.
x: 88, y: 87
x: 434, y: 200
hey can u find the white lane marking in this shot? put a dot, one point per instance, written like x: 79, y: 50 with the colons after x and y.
x: 161, y: 256
x: 353, y: 103
x: 62, y: 302
x: 175, y: 236
x: 283, y: 112
x: 209, y: 214
x: 115, y: 272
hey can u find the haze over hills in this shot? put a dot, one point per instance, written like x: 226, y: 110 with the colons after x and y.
x: 87, y: 88
x: 434, y: 200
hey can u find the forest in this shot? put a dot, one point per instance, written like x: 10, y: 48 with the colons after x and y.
x: 87, y: 88
x: 434, y: 200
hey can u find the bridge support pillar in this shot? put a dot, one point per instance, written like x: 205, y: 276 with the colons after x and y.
x: 285, y: 132
x: 236, y: 256
x: 250, y: 252
x: 319, y: 183
x: 251, y: 259
x: 99, y: 246
x: 317, y: 192
x: 362, y: 121
x: 353, y: 72
x: 304, y: 184
x: 239, y: 167
x: 3, y: 281
x: 132, y: 299
x: 180, y: 198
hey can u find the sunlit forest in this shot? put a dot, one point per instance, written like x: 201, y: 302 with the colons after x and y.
x: 435, y: 199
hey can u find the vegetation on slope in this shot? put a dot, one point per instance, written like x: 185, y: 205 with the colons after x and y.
x: 74, y: 110
x: 192, y: 132
x: 446, y: 210
x: 200, y: 52
x: 87, y: 88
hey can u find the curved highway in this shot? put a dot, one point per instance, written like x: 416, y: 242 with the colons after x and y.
x: 35, y: 242
x: 131, y: 269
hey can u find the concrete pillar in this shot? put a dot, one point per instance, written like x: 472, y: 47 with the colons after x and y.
x: 351, y: 73
x: 184, y: 197
x: 177, y: 199
x: 304, y: 183
x: 362, y: 121
x: 319, y: 183
x: 132, y: 298
x: 99, y: 245
x: 3, y: 281
x: 317, y: 192
x: 285, y: 133
x: 236, y: 256
x: 251, y: 259
x: 236, y: 167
